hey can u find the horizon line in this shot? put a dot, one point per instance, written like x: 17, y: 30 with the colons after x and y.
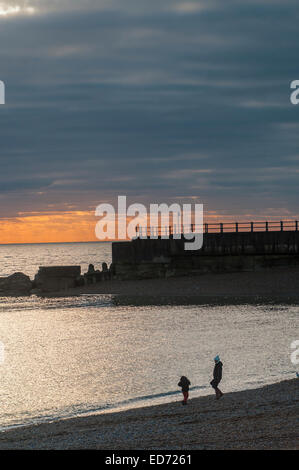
x: 57, y: 243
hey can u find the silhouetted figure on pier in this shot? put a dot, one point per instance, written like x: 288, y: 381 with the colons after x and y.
x: 217, y: 376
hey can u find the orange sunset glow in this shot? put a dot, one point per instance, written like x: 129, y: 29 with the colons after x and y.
x: 49, y: 228
x: 75, y: 226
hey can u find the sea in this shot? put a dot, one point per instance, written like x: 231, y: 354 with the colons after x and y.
x: 88, y: 354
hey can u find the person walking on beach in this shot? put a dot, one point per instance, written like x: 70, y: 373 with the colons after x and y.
x: 217, y: 376
x: 185, y: 384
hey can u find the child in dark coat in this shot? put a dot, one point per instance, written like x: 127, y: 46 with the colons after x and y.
x: 185, y: 384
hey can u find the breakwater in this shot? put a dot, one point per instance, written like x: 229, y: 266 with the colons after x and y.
x: 221, y: 252
x: 145, y: 258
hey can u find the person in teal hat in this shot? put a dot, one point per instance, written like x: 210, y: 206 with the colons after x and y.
x: 217, y: 376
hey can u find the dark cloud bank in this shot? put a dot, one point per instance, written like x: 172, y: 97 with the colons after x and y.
x: 157, y: 100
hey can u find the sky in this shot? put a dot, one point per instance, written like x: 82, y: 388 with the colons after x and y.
x: 161, y: 101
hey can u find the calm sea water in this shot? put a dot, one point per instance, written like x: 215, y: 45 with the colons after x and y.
x: 92, y: 353
x: 28, y: 258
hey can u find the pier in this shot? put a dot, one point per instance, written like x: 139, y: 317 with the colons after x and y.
x: 227, y: 247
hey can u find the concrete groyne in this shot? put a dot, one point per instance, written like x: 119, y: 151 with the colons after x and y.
x: 56, y: 278
x: 221, y: 252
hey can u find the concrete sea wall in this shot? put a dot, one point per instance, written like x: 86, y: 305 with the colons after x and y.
x: 221, y: 252
x: 56, y: 278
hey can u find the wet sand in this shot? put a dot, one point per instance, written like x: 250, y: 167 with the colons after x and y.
x: 276, y: 284
x: 264, y: 418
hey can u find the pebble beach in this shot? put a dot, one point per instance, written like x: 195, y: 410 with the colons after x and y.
x: 263, y: 418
